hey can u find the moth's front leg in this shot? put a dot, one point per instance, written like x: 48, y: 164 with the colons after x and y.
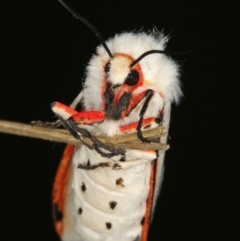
x: 82, y: 117
x: 72, y: 121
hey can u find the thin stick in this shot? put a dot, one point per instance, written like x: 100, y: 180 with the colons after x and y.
x: 130, y: 141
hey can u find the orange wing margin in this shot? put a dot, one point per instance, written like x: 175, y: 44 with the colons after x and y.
x: 147, y: 218
x: 60, y: 188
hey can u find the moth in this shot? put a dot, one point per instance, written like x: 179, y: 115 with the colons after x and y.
x: 103, y: 193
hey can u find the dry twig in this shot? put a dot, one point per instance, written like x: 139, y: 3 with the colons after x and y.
x: 130, y: 141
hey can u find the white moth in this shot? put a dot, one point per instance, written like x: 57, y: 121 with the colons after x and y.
x: 100, y: 197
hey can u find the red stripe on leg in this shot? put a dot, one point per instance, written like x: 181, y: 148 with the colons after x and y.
x: 89, y: 117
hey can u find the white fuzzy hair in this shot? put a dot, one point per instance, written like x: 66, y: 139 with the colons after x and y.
x: 160, y: 73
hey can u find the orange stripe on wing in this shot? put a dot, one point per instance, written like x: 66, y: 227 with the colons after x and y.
x: 147, y: 219
x: 60, y: 187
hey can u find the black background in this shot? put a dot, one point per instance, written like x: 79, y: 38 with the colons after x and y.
x: 43, y: 55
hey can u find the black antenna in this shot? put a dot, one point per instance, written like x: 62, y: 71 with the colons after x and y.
x: 156, y: 52
x: 92, y: 27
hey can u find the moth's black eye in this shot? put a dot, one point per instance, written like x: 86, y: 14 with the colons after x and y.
x: 107, y: 67
x: 132, y: 78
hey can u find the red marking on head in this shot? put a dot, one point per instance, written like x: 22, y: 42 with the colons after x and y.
x: 129, y: 88
x: 124, y: 88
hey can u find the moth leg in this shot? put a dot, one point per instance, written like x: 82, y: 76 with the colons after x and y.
x: 54, y: 124
x: 77, y: 100
x: 151, y: 122
x: 111, y: 151
x: 57, y: 123
x: 74, y: 129
x: 98, y: 145
x: 64, y: 111
x: 83, y: 117
x: 71, y: 119
x: 149, y: 95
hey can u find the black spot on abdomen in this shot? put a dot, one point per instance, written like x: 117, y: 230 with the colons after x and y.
x: 108, y: 225
x: 112, y: 204
x: 83, y: 187
x: 119, y: 182
x: 80, y: 211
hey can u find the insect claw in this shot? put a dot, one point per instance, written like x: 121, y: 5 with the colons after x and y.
x: 53, y: 124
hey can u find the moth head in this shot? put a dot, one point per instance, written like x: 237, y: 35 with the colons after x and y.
x: 134, y: 68
x: 119, y: 73
x: 125, y: 55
